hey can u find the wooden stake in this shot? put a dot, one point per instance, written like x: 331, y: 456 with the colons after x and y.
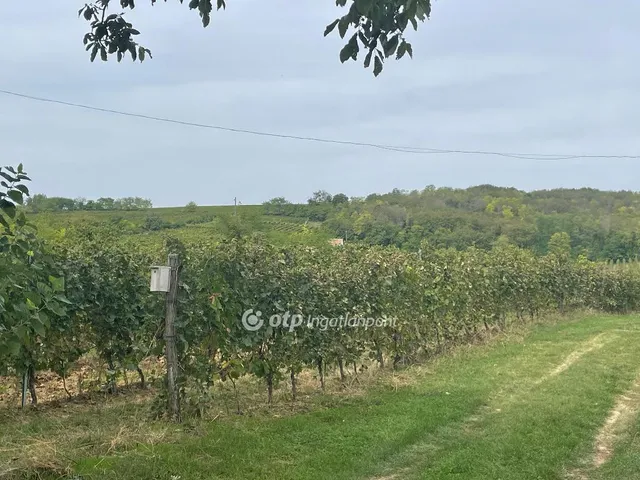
x: 170, y: 339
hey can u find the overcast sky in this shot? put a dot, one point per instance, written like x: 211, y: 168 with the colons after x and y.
x: 506, y: 75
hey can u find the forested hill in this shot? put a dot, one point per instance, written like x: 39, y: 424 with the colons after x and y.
x: 602, y: 224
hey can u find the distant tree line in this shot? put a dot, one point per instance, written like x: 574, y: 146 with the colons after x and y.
x: 318, y: 207
x: 601, y: 224
x: 42, y: 203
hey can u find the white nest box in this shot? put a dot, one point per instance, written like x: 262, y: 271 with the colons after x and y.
x: 160, y: 279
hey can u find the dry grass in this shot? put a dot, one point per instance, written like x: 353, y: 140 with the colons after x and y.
x: 46, y: 438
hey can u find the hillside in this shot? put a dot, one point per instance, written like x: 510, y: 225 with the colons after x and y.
x: 152, y: 225
x: 602, y: 224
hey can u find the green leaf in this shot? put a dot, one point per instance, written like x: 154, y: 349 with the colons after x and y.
x: 364, y: 6
x: 13, y: 347
x: 8, y: 177
x: 22, y: 332
x: 56, y: 309
x: 346, y: 52
x: 16, y: 196
x: 390, y: 47
x: 34, y: 298
x: 3, y: 221
x: 141, y: 53
x: 23, y: 189
x: 409, y: 49
x: 8, y: 208
x: 343, y: 26
x: 101, y: 31
x: 367, y: 59
x: 354, y: 46
x: 94, y: 52
x: 402, y: 49
x: 63, y: 299
x: 57, y: 283
x: 38, y: 327
x: 423, y: 9
x: 331, y: 27
x: 377, y: 66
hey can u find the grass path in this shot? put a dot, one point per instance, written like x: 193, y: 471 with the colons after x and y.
x: 543, y: 422
x: 538, y: 408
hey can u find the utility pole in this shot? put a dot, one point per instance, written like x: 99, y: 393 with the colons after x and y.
x: 235, y: 206
x: 170, y: 338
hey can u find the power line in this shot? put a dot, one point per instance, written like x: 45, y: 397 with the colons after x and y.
x: 396, y: 148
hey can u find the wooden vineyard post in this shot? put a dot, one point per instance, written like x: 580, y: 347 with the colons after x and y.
x: 25, y: 379
x: 171, y: 353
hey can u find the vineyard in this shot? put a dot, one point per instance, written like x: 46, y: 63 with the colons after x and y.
x: 151, y: 227
x: 442, y: 299
x: 87, y: 294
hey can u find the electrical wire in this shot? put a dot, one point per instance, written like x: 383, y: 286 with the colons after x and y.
x: 395, y: 148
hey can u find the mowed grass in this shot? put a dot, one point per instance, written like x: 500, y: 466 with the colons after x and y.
x: 521, y: 407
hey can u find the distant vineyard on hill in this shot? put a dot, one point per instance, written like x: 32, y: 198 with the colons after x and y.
x: 601, y: 225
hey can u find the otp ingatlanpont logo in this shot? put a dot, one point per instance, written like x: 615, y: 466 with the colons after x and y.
x: 252, y: 321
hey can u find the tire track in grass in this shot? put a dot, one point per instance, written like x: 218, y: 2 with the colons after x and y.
x: 504, y: 400
x: 619, y: 420
x: 501, y: 401
x: 622, y: 415
x: 590, y: 345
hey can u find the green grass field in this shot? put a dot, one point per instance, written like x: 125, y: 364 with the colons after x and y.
x: 559, y: 401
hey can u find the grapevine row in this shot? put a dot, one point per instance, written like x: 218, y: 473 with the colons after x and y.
x: 90, y: 292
